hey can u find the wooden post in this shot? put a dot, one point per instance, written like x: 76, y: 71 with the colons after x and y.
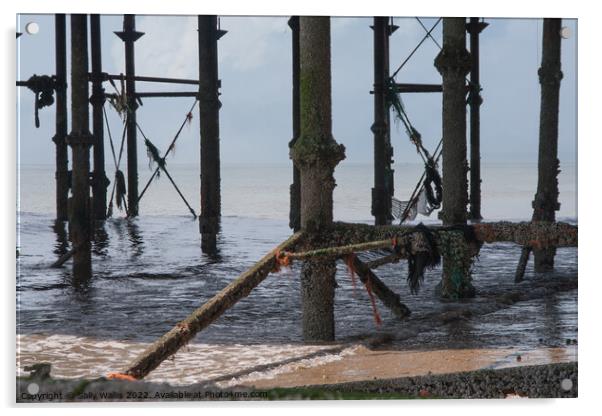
x: 129, y: 35
x: 382, y: 191
x: 295, y: 189
x: 209, y: 106
x: 62, y: 157
x: 546, y: 202
x: 316, y: 154
x: 100, y: 182
x: 475, y: 100
x: 453, y: 63
x: 80, y: 141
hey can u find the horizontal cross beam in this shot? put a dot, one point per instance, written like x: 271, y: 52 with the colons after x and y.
x: 106, y: 77
x: 161, y: 94
x: 412, y: 88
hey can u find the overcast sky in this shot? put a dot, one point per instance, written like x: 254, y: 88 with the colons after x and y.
x: 255, y: 69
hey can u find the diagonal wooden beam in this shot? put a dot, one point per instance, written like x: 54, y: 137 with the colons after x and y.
x: 389, y: 298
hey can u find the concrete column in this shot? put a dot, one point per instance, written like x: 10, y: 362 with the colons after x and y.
x: 316, y: 154
x: 453, y: 63
x: 546, y: 202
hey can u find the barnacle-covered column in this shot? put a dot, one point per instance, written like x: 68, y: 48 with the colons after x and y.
x: 316, y: 154
x: 453, y: 63
x: 546, y: 203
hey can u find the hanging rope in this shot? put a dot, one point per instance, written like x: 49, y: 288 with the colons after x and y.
x: 119, y: 182
x: 43, y: 87
x: 420, y: 261
x: 394, y: 102
x: 420, y: 183
x: 434, y: 196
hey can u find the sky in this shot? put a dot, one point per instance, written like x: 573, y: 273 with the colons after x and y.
x: 255, y: 69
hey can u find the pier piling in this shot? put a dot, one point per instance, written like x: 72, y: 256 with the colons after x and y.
x: 62, y: 154
x: 316, y: 154
x: 129, y: 36
x: 546, y: 202
x: 295, y: 188
x: 209, y: 106
x: 383, y: 152
x: 99, y: 180
x: 80, y: 141
x: 474, y: 28
x: 453, y: 63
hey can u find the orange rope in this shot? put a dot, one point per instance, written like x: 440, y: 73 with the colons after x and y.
x: 373, y: 301
x: 121, y: 376
x: 281, y: 260
x: 349, y: 261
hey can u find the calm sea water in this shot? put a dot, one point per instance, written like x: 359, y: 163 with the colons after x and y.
x: 149, y: 272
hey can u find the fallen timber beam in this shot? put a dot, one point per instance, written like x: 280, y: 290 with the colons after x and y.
x: 198, y: 320
x: 389, y: 298
x: 345, y: 238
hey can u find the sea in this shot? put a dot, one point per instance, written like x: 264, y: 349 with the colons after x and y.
x: 149, y: 273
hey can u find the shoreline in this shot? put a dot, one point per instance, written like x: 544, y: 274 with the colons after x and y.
x: 540, y: 381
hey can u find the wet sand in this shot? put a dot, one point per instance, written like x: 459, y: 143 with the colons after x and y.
x: 365, y: 364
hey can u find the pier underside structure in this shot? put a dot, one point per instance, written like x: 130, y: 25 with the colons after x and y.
x: 318, y: 242
x: 343, y: 241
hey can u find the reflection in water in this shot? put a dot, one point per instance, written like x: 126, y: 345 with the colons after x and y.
x: 135, y: 237
x: 101, y: 239
x: 62, y: 239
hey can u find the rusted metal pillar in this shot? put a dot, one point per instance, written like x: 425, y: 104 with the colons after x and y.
x: 546, y: 202
x: 62, y: 156
x: 209, y: 106
x: 383, y: 174
x: 99, y: 179
x: 316, y: 154
x: 389, y: 171
x: 453, y: 63
x: 129, y: 35
x: 295, y: 189
x: 474, y: 28
x: 80, y: 141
